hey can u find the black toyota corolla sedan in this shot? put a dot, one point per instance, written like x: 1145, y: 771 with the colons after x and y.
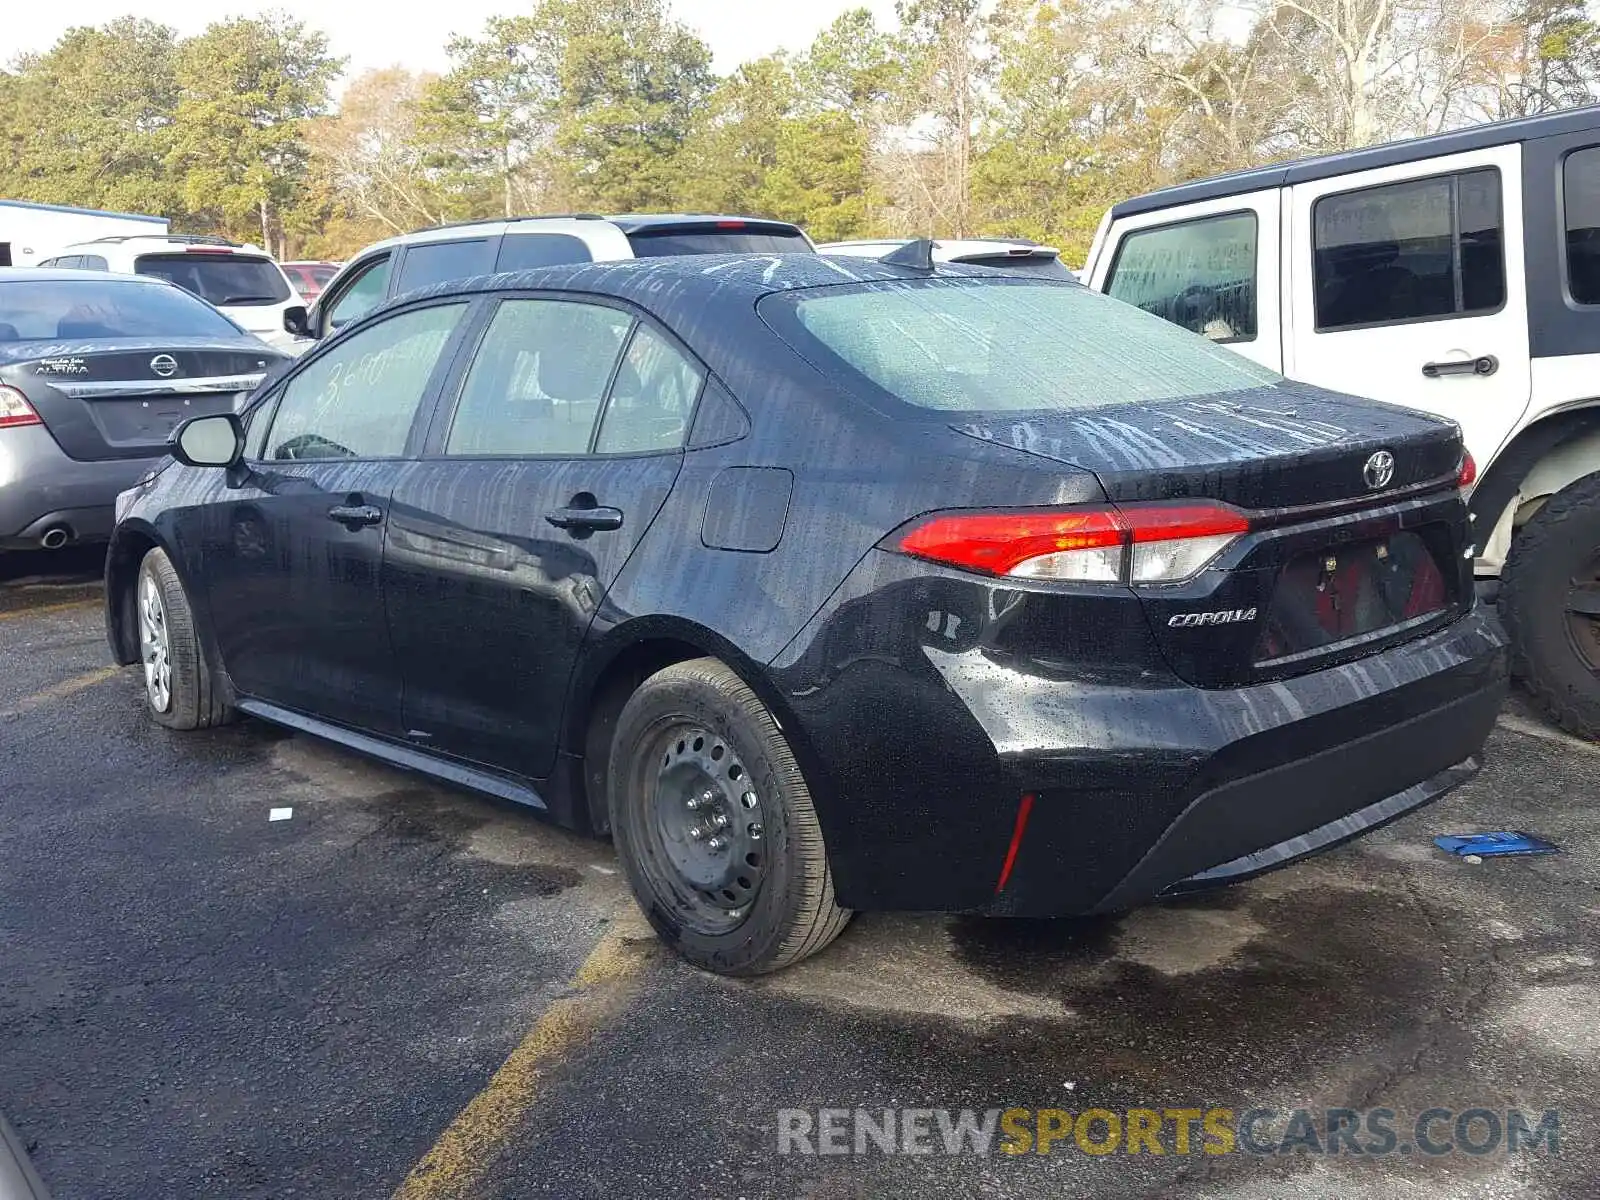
x: 824, y: 585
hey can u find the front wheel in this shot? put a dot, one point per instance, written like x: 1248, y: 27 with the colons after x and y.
x: 1550, y: 602
x: 714, y: 824
x: 179, y: 688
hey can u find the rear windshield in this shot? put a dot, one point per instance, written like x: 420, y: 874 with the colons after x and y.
x: 717, y: 241
x: 97, y: 308
x: 220, y: 278
x: 1047, y: 265
x: 1003, y: 345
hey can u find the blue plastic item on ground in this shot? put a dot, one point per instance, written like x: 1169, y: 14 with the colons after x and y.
x: 1492, y: 845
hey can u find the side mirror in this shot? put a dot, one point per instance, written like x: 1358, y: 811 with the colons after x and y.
x: 214, y: 441
x: 297, y: 321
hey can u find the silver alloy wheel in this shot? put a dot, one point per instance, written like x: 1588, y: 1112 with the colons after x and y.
x: 154, y: 643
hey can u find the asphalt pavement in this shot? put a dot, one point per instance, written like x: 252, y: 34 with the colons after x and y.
x: 404, y: 990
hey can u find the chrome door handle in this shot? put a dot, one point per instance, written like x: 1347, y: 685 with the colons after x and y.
x: 354, y: 516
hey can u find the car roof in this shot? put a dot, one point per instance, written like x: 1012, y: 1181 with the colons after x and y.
x: 565, y: 222
x: 1304, y: 170
x: 752, y: 275
x: 69, y: 275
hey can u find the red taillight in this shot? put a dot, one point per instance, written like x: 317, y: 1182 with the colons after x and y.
x: 206, y: 250
x: 1469, y: 471
x: 1137, y: 543
x: 730, y: 224
x: 15, y: 409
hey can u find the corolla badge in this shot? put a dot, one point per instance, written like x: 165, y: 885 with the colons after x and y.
x: 1379, y: 470
x: 1227, y: 616
x: 164, y: 365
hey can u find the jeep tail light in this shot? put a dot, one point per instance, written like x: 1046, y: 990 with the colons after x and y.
x: 1469, y: 471
x: 15, y: 409
x: 1134, y: 543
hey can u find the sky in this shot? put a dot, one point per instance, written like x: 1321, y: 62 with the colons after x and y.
x: 412, y: 33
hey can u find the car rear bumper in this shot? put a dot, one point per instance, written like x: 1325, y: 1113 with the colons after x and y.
x: 42, y: 489
x: 1088, y: 792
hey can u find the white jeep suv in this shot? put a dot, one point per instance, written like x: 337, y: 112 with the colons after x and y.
x: 1458, y: 274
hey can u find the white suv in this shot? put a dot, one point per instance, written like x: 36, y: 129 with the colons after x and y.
x: 1458, y: 274
x: 243, y: 281
x: 429, y: 256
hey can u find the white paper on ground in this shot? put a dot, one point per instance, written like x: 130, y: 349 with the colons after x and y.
x: 280, y: 814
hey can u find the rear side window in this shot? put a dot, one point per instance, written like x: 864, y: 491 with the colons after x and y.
x: 538, y: 377
x: 427, y: 263
x: 359, y: 398
x: 1198, y: 274
x: 1414, y: 251
x: 91, y: 262
x: 652, y: 399
x: 220, y: 278
x: 715, y: 240
x: 994, y: 345
x: 1580, y: 177
x: 524, y: 251
x: 99, y: 308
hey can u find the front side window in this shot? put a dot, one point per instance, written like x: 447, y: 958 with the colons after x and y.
x: 221, y: 278
x: 428, y: 263
x: 1413, y: 251
x: 361, y: 296
x: 1580, y: 179
x: 1200, y: 275
x: 991, y: 344
x: 538, y: 377
x: 358, y: 400
x: 652, y: 399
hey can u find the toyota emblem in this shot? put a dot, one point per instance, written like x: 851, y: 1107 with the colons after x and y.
x: 166, y: 366
x: 1379, y: 470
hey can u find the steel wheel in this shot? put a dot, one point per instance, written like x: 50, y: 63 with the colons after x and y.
x: 707, y: 826
x: 155, y: 646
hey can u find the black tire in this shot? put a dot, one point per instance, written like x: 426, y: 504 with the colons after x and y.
x: 1549, y: 553
x: 192, y: 698
x: 779, y: 911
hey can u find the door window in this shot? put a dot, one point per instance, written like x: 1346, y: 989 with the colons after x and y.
x: 1199, y: 274
x: 522, y: 251
x: 428, y: 263
x: 364, y: 293
x: 1413, y: 251
x: 1580, y: 175
x: 358, y: 399
x: 652, y: 399
x: 537, y: 380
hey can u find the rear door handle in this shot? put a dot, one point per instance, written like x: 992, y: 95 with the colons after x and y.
x: 354, y: 516
x: 585, y: 519
x: 1484, y: 364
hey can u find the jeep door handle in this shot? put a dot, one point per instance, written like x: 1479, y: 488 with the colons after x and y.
x: 354, y: 516
x: 585, y: 519
x: 1484, y: 364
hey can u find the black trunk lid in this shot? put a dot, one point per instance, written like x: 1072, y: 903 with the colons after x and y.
x: 1359, y: 536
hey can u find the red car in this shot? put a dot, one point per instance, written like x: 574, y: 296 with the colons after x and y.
x: 309, y: 278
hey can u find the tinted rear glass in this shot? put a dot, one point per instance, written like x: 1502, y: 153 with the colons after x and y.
x: 1031, y: 264
x: 998, y: 345
x: 222, y: 279
x: 717, y: 241
x: 97, y: 308
x: 522, y: 251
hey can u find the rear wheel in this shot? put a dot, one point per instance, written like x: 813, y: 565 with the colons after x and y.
x: 178, y: 686
x: 1550, y: 601
x: 714, y: 824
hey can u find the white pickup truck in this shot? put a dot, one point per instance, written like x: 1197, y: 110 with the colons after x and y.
x: 1459, y: 274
